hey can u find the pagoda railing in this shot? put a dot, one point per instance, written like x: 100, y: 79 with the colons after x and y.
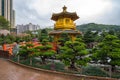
x: 64, y: 26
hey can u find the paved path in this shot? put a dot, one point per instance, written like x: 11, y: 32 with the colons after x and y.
x: 10, y: 71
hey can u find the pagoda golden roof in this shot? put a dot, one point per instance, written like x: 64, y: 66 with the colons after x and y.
x: 64, y: 14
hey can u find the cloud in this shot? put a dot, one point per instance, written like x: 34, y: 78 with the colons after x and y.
x: 112, y: 15
x: 40, y: 11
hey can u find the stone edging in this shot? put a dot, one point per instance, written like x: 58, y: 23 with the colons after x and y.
x: 61, y: 73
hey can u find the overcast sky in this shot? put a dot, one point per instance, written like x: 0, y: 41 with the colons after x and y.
x: 40, y: 11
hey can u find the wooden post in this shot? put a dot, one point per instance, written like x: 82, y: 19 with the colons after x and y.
x: 110, y: 71
x: 18, y: 58
x: 30, y: 61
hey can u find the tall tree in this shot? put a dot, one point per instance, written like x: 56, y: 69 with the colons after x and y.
x: 4, y: 24
x: 74, y: 53
x: 43, y: 35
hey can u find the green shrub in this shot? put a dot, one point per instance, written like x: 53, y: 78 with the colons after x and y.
x: 116, y: 75
x: 94, y: 71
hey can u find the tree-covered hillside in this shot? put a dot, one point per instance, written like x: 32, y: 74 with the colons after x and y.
x: 98, y: 27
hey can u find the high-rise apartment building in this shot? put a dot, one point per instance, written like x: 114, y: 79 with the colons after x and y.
x: 6, y: 10
x: 28, y: 27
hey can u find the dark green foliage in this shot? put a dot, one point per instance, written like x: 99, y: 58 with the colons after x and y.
x: 50, y: 38
x: 4, y: 24
x: 29, y: 45
x: 79, y: 36
x: 12, y: 38
x: 116, y: 75
x: 94, y: 71
x: 111, y: 32
x: 102, y: 35
x: 1, y: 41
x: 108, y: 49
x: 74, y: 53
x: 45, y: 51
x: 27, y: 51
x: 118, y: 34
x: 43, y: 35
x: 97, y: 27
x: 27, y: 38
x: 88, y: 37
x: 63, y: 38
x: 23, y: 52
x: 18, y: 39
x: 7, y: 39
x: 57, y: 66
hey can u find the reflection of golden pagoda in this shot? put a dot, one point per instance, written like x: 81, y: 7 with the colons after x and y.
x: 64, y: 24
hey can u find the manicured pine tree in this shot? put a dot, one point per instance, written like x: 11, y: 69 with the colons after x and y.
x: 74, y: 53
x: 45, y: 51
x: 108, y: 51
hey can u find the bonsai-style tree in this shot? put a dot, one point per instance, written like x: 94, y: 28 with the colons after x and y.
x: 43, y: 35
x: 108, y: 51
x: 88, y: 37
x: 63, y: 38
x: 9, y: 39
x: 27, y: 38
x: 26, y: 51
x: 31, y: 52
x: 45, y: 51
x: 74, y: 53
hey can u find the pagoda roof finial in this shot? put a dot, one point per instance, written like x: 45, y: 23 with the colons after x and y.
x: 64, y: 14
x: 64, y: 9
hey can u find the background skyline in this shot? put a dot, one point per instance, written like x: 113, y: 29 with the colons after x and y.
x: 89, y: 11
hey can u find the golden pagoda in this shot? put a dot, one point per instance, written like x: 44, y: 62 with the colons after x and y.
x: 64, y: 24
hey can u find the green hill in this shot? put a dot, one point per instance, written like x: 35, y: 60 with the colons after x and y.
x: 97, y: 27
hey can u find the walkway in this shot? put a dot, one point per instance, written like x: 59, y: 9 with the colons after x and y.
x: 10, y: 71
